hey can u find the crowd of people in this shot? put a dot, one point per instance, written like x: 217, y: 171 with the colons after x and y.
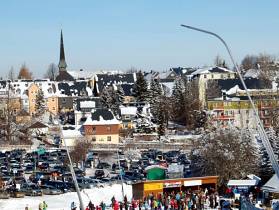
x: 188, y: 200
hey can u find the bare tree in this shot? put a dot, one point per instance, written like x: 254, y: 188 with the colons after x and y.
x: 52, y: 72
x: 9, y: 128
x: 132, y: 70
x: 11, y: 74
x: 80, y: 150
x: 24, y: 73
x: 248, y: 62
x: 218, y: 61
x: 213, y: 90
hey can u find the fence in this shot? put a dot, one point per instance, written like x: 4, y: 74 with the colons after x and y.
x: 12, y: 147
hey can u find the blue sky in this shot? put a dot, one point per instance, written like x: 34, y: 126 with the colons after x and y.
x: 145, y: 34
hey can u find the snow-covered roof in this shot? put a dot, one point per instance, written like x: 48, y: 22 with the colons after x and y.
x: 209, y: 70
x: 234, y: 90
x: 87, y: 104
x: 101, y: 117
x: 67, y: 134
x: 130, y: 110
x: 252, y: 73
x: 81, y: 74
x: 239, y: 182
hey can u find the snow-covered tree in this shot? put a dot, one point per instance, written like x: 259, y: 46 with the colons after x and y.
x: 141, y: 88
x: 120, y: 94
x: 161, y: 118
x: 112, y: 98
x: 40, y: 103
x: 185, y: 102
x: 155, y: 93
x: 228, y: 153
x: 178, y: 101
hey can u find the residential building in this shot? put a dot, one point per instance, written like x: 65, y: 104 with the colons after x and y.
x: 84, y: 107
x: 32, y: 94
x: 102, y: 127
x: 212, y: 73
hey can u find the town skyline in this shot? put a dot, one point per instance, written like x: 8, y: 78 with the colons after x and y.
x: 143, y: 35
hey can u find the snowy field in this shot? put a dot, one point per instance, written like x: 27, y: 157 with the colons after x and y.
x: 63, y: 201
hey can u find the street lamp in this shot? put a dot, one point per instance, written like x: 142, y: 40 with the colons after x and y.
x: 262, y: 132
x: 72, y: 171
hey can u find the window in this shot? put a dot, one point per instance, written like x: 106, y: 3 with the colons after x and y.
x: 109, y: 138
x: 212, y: 76
x: 94, y: 138
x: 94, y: 130
x: 26, y: 84
x: 229, y: 76
x: 101, y: 139
x: 53, y: 108
x: 204, y: 76
x: 108, y: 128
x: 52, y: 99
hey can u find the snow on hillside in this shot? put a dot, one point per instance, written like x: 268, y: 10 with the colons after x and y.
x: 63, y: 201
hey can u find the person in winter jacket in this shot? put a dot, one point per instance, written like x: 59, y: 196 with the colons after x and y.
x: 91, y: 206
x: 116, y: 205
x: 102, y: 206
x: 73, y: 206
x: 44, y: 205
x: 40, y: 206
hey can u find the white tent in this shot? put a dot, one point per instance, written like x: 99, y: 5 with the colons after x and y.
x: 272, y: 185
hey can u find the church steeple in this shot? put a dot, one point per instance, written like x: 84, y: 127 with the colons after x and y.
x: 62, y: 62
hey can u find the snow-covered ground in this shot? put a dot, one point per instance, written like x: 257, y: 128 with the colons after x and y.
x: 63, y: 201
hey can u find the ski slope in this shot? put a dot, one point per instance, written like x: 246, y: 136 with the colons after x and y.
x: 63, y: 201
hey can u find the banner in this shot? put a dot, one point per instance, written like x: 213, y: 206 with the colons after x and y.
x: 172, y: 184
x: 192, y: 183
x: 153, y: 186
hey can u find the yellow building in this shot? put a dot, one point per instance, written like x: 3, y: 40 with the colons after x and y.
x: 52, y: 104
x: 207, y: 74
x: 32, y: 93
x: 238, y: 111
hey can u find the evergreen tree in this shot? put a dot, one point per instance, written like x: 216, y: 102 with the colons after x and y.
x: 161, y: 118
x: 155, y: 92
x: 178, y: 101
x: 112, y: 99
x: 40, y: 103
x: 120, y: 95
x: 140, y: 88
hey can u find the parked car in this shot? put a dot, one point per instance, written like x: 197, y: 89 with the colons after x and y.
x: 99, y: 173
x: 103, y: 165
x: 50, y: 190
x: 31, y: 190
